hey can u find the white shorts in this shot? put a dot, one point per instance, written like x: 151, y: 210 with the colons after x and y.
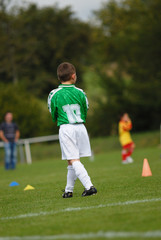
x: 74, y: 141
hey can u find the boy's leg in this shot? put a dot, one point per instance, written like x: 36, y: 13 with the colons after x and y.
x: 124, y: 154
x: 127, y: 150
x: 81, y: 173
x: 130, y: 149
x: 72, y: 149
x: 71, y: 178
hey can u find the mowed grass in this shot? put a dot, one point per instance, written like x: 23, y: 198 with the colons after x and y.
x: 115, y: 183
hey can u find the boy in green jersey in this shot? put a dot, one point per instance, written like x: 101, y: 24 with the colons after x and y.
x: 68, y: 106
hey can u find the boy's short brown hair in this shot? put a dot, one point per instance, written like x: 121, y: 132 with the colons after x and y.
x: 65, y: 71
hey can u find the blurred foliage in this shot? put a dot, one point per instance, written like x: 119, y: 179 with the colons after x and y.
x: 29, y: 113
x: 117, y: 57
x: 37, y: 40
x: 130, y: 63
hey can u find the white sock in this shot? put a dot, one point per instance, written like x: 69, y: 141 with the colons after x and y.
x: 82, y: 174
x: 71, y: 177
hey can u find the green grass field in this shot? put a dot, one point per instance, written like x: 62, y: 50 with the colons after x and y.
x: 126, y: 203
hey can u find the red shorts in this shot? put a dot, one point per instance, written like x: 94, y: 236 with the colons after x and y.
x: 129, y: 145
x: 127, y: 150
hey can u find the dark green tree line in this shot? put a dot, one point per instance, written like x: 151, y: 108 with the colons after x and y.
x: 35, y: 41
x: 131, y: 59
x: 117, y: 60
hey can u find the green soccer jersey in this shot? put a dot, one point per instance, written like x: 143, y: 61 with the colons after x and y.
x: 68, y: 104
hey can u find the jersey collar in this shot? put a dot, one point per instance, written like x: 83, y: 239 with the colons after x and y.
x: 66, y: 85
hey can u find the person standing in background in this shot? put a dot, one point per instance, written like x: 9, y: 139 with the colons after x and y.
x: 125, y: 125
x: 9, y: 133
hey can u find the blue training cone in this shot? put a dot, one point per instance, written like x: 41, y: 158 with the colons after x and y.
x: 13, y: 184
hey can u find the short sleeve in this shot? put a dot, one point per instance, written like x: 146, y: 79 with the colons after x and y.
x: 2, y: 126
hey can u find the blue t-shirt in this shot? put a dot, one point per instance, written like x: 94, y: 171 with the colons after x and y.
x: 9, y: 130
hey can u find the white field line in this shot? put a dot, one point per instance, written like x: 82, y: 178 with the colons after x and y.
x: 28, y: 215
x: 100, y: 234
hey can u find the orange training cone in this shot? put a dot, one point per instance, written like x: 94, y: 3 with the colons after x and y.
x: 146, y: 172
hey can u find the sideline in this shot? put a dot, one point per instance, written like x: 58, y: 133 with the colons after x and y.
x: 28, y: 215
x: 112, y: 234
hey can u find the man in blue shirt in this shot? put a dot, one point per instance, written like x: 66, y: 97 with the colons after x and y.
x: 9, y: 133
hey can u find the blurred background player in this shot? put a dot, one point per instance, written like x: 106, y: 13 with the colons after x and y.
x: 68, y: 106
x: 9, y: 133
x: 125, y: 125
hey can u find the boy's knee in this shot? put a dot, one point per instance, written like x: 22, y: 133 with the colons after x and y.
x: 133, y: 145
x: 124, y: 151
x: 70, y: 162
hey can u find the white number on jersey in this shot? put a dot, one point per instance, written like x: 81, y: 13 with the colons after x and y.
x: 73, y: 113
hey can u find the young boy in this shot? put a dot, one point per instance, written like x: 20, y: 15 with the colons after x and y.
x: 125, y: 125
x: 68, y: 106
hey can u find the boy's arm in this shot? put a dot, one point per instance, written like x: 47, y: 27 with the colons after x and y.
x: 53, y: 111
x: 52, y: 107
x: 86, y: 104
x: 127, y: 126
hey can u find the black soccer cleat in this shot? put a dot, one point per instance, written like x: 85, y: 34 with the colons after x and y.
x: 91, y: 191
x: 67, y: 195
